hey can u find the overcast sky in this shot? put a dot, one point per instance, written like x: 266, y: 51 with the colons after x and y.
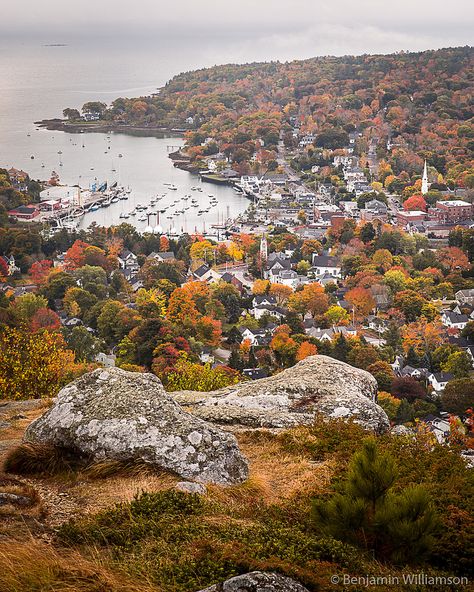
x: 251, y: 29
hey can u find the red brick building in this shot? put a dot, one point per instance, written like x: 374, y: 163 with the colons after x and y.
x: 452, y: 211
x: 410, y: 217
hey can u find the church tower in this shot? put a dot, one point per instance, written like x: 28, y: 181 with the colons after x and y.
x: 263, y: 248
x: 424, y: 182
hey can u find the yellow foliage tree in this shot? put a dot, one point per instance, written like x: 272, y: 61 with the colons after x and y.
x: 260, y: 287
x: 33, y: 365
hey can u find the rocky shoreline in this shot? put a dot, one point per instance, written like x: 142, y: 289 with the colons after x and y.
x: 104, y: 127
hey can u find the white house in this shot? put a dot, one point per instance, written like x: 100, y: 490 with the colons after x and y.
x: 128, y: 260
x: 465, y: 296
x: 162, y: 256
x: 439, y: 380
x: 107, y: 360
x: 454, y: 320
x: 324, y: 264
x: 204, y: 273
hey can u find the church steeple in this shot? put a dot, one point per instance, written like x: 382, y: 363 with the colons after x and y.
x: 264, y: 248
x: 424, y: 181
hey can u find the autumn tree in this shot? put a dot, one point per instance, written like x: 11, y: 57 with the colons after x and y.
x: 311, y: 299
x: 281, y: 293
x: 415, y: 203
x: 337, y: 315
x: 40, y: 270
x: 383, y: 259
x: 26, y: 306
x: 202, y: 249
x: 4, y: 271
x: 33, y: 365
x: 305, y: 350
x: 260, y: 287
x: 181, y: 307
x: 74, y: 257
x: 410, y: 303
x: 187, y: 375
x: 408, y: 388
x: 45, y: 319
x: 283, y: 346
x: 458, y: 364
x: 362, y: 301
x: 453, y: 259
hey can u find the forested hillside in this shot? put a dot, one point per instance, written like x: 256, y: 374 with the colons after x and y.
x: 420, y: 102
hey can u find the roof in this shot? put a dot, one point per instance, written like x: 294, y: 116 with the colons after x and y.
x: 465, y: 293
x: 255, y: 373
x: 325, y: 261
x: 454, y: 317
x: 166, y: 254
x: 443, y: 376
x: 202, y: 270
x: 125, y: 254
x: 259, y: 300
x: 23, y: 210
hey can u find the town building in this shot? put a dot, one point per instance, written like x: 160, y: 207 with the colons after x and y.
x: 325, y: 264
x: 24, y: 212
x: 452, y: 211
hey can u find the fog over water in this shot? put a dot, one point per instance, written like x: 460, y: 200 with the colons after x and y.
x: 115, y: 48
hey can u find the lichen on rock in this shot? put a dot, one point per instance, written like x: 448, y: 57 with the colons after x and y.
x: 119, y: 415
x: 316, y: 385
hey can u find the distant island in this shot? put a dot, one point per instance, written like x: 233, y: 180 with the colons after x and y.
x: 55, y: 45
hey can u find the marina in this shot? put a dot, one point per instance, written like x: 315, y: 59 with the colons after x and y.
x: 141, y: 182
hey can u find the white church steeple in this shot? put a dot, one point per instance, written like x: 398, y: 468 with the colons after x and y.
x: 263, y: 248
x: 424, y: 181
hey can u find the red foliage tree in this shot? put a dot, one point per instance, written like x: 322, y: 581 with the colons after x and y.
x: 44, y: 318
x: 39, y: 271
x: 415, y: 202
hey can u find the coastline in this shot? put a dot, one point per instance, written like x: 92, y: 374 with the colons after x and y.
x: 180, y: 159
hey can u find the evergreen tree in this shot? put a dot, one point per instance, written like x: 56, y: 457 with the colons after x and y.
x: 412, y: 358
x: 340, y: 348
x: 368, y: 513
x: 235, y: 361
x: 405, y: 412
x: 252, y: 361
x: 392, y: 336
x: 234, y: 336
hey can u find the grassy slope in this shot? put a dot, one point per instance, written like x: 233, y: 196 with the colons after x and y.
x: 171, y: 542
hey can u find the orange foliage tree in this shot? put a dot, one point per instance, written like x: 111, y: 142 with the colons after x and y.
x: 362, y: 301
x: 281, y: 293
x: 74, y: 257
x: 305, y: 350
x: 311, y: 299
x: 39, y: 271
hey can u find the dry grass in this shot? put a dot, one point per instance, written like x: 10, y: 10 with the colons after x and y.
x: 280, y: 473
x: 39, y: 459
x: 34, y: 566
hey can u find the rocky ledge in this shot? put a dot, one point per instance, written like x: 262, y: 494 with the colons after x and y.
x: 113, y: 414
x: 316, y: 385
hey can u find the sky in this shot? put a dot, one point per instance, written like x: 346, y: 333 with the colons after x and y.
x: 249, y: 30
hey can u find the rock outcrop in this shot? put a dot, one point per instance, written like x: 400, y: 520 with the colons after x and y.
x: 318, y: 384
x: 113, y: 414
x: 258, y: 581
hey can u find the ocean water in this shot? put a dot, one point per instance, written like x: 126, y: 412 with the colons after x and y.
x: 39, y: 81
